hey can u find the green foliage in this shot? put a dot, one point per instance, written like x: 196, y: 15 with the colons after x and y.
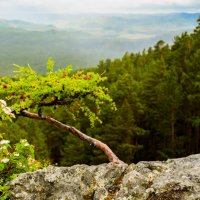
x: 32, y: 130
x: 62, y: 92
x: 78, y: 92
x: 15, y: 159
x: 157, y: 96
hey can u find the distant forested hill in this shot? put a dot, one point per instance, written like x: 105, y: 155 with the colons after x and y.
x: 83, y: 40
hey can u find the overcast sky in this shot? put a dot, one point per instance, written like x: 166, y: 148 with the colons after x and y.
x: 26, y: 9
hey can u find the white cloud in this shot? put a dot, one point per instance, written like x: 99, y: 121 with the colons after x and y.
x: 106, y: 5
x: 20, y: 7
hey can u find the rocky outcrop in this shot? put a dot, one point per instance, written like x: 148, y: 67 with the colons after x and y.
x: 174, y: 179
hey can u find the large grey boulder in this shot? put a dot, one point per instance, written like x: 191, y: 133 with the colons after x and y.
x: 174, y: 179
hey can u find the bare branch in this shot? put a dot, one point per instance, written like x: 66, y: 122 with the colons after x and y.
x: 103, y: 147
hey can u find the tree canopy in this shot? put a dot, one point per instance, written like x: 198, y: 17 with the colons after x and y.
x: 29, y: 94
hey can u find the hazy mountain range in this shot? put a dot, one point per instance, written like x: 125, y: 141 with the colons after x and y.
x: 83, y: 40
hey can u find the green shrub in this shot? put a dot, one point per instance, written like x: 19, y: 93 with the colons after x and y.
x: 14, y: 159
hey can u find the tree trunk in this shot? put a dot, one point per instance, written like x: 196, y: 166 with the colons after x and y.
x: 172, y: 130
x: 189, y: 138
x: 197, y: 139
x: 103, y: 147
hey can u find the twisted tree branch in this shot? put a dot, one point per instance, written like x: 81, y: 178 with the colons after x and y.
x: 103, y: 147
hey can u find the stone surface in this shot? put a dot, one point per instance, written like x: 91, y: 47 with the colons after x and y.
x: 174, y: 179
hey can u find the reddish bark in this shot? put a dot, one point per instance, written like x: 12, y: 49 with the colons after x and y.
x: 103, y: 147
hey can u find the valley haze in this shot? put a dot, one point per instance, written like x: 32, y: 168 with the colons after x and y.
x: 82, y: 40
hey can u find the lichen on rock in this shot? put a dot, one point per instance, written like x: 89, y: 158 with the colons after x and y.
x: 155, y: 180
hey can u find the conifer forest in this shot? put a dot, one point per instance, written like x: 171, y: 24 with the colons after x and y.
x: 144, y: 106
